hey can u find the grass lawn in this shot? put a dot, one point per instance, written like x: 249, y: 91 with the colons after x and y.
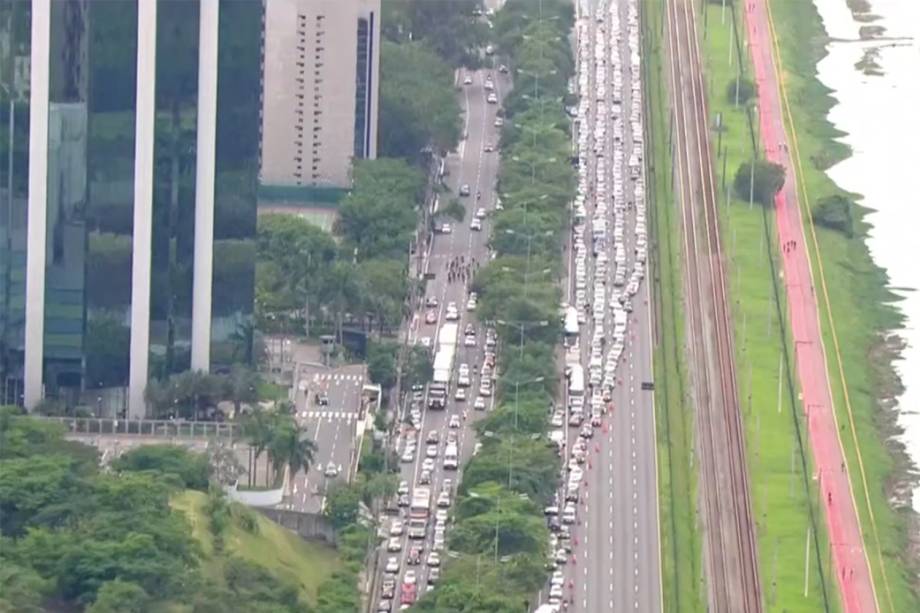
x: 788, y: 519
x: 279, y: 550
x: 855, y: 291
x: 681, y: 553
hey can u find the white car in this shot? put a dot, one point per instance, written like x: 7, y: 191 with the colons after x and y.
x: 446, y: 228
x: 396, y: 527
x: 394, y: 544
x: 403, y: 488
x: 469, y: 340
x: 460, y: 394
x: 476, y: 225
x: 468, y: 80
x: 488, y: 148
x: 410, y: 577
x: 479, y: 404
x: 454, y: 421
x: 431, y: 451
x: 443, y: 500
x: 492, y: 99
x: 499, y: 122
x: 392, y: 564
x: 434, y: 559
x: 480, y: 213
x: 428, y: 464
x: 331, y: 470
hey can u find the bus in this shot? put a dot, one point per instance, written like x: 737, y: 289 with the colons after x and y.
x: 576, y: 380
x: 570, y: 321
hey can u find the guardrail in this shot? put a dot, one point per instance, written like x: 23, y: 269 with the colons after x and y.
x: 99, y: 426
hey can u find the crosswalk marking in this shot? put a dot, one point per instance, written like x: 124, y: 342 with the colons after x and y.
x: 330, y: 415
x: 337, y: 377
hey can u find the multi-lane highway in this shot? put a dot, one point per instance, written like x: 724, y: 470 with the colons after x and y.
x: 615, y: 563
x: 450, y: 265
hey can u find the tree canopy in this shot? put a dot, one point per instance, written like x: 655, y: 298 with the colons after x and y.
x: 77, y: 538
x: 418, y: 106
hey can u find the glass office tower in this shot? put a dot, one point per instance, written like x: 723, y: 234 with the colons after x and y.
x: 128, y: 220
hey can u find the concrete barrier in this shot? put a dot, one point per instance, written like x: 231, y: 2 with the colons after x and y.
x: 308, y: 526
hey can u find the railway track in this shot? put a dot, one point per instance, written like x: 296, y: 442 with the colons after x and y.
x: 731, y: 546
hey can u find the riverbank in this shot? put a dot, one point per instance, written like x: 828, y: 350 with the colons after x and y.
x: 856, y: 309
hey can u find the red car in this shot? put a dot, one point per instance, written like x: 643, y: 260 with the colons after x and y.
x: 408, y: 593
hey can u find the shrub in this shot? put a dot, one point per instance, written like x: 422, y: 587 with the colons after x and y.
x: 835, y: 213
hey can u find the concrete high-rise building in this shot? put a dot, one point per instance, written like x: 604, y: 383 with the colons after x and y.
x: 321, y: 63
x: 128, y: 190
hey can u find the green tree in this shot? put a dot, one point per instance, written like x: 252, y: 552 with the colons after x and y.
x: 36, y: 491
x: 740, y: 91
x: 119, y: 596
x: 189, y: 467
x: 22, y: 590
x: 381, y: 363
x: 836, y: 213
x: 342, y: 292
x: 766, y: 182
x: 292, y: 255
x: 419, y: 368
x: 342, y: 504
x: 418, y: 106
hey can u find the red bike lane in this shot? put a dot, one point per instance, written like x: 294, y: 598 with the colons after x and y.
x: 851, y: 564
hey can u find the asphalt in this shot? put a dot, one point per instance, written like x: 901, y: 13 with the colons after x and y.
x: 616, y: 562
x: 332, y: 427
x: 471, y: 165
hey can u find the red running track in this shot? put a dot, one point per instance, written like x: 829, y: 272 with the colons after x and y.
x: 851, y: 565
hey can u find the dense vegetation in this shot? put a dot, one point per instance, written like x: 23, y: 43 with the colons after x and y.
x: 499, y: 529
x: 75, y: 537
x: 358, y: 276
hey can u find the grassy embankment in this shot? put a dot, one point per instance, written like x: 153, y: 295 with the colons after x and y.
x: 681, y: 545
x: 852, y: 297
x: 276, y: 549
x: 789, y: 523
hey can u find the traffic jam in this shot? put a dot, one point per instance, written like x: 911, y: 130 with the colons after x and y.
x: 435, y: 438
x: 609, y: 252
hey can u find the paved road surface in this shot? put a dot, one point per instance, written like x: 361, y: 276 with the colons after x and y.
x: 851, y: 563
x: 617, y: 559
x: 332, y: 427
x: 473, y: 166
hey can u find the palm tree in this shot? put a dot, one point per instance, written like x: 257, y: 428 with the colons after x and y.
x: 259, y: 428
x: 290, y: 447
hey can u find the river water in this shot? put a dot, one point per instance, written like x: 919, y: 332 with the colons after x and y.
x: 880, y: 113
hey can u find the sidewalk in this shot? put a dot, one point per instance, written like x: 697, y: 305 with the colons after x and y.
x: 851, y: 563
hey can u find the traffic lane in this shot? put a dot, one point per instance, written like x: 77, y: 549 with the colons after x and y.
x: 308, y: 495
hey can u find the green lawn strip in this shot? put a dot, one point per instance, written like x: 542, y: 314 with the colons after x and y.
x: 784, y: 500
x: 278, y: 550
x: 682, y: 571
x: 857, y: 290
